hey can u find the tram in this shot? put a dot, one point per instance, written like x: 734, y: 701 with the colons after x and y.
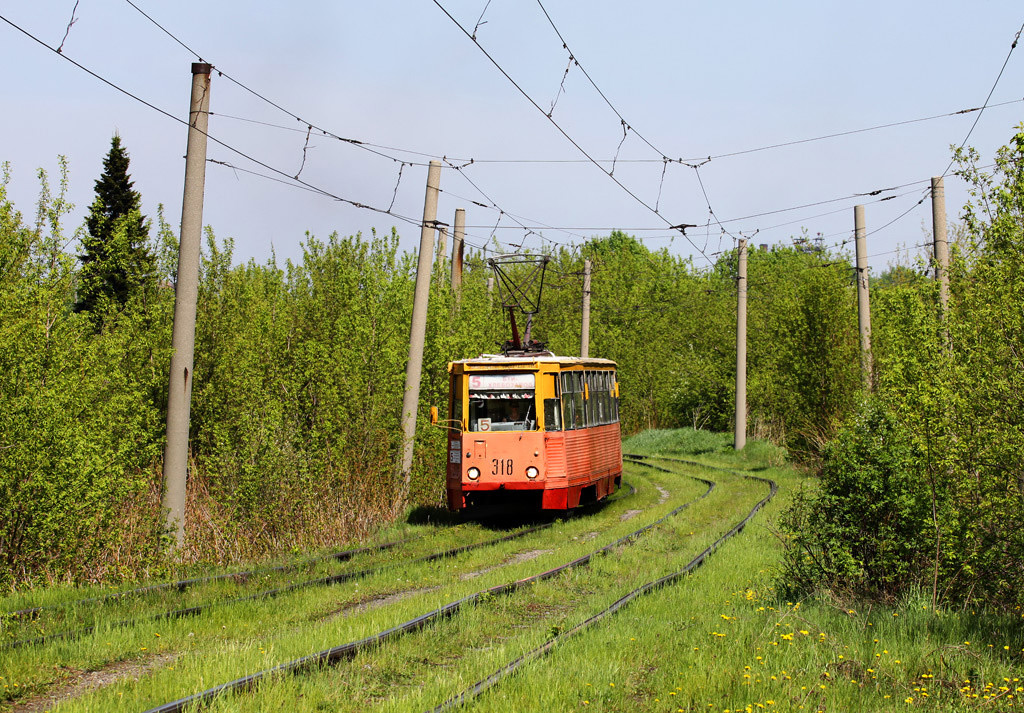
x: 533, y: 430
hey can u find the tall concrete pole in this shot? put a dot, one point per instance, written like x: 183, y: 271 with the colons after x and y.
x: 490, y: 291
x: 863, y: 302
x: 585, y: 326
x: 418, y: 330
x: 941, y: 241
x: 186, y: 292
x: 458, y: 249
x: 740, y: 436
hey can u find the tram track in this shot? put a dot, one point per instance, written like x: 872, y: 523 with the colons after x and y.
x: 282, y: 626
x: 346, y: 651
x: 538, y: 652
x: 268, y: 594
x: 184, y: 584
x: 338, y: 578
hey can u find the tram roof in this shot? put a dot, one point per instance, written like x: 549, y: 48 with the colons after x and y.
x: 493, y: 360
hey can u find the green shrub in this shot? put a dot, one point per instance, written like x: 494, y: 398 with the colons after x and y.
x: 867, y: 527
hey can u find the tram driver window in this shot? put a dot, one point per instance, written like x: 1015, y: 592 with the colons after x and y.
x: 492, y: 411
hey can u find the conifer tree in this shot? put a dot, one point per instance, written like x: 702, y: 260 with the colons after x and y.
x: 116, y: 261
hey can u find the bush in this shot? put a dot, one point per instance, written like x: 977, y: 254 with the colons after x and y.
x: 867, y: 527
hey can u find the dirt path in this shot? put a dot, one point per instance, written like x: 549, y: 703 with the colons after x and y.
x: 80, y: 683
x: 514, y: 559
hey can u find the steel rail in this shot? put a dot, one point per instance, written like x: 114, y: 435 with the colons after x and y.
x: 269, y: 594
x: 348, y: 650
x: 542, y: 650
x: 183, y: 584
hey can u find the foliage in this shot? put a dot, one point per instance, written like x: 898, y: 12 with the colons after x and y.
x: 77, y: 426
x: 299, y: 376
x: 803, y: 356
x: 939, y: 451
x: 117, y: 262
x: 866, y: 528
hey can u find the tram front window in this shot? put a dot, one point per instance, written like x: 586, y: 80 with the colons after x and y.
x: 490, y: 411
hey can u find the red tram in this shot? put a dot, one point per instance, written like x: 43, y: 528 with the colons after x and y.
x: 534, y: 429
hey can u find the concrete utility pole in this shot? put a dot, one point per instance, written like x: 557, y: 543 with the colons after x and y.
x: 863, y: 303
x: 940, y: 241
x: 585, y: 326
x: 418, y: 330
x: 186, y: 291
x: 458, y: 249
x: 490, y: 291
x: 740, y: 436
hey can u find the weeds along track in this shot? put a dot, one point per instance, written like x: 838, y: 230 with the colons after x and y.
x: 224, y: 643
x: 493, y: 679
x: 337, y: 578
x: 183, y: 584
x: 243, y: 578
x: 475, y: 601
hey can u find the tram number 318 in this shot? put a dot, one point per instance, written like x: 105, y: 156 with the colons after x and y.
x: 502, y: 466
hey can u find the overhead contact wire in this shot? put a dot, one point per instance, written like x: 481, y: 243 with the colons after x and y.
x: 557, y: 126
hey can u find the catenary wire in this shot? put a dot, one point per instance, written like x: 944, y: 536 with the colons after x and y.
x: 575, y: 60
x: 1013, y: 46
x: 317, y: 189
x: 523, y: 227
x: 664, y: 158
x: 554, y: 123
x: 309, y: 125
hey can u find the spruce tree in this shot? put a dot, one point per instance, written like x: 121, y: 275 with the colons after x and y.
x: 116, y: 261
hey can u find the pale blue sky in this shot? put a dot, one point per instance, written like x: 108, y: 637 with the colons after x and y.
x: 695, y: 79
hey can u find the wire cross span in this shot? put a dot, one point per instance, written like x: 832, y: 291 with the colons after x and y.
x: 561, y: 130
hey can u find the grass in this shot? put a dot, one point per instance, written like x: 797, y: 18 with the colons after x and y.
x: 231, y: 641
x: 722, y: 639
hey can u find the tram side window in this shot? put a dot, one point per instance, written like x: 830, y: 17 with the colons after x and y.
x: 584, y: 401
x: 567, y: 405
x: 579, y: 407
x: 572, y: 400
x: 552, y: 414
x: 588, y: 392
x: 610, y: 395
x: 606, y: 396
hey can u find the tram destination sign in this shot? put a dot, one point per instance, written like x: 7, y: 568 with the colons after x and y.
x: 500, y: 382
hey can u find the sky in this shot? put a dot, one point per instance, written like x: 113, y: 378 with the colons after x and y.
x: 690, y: 80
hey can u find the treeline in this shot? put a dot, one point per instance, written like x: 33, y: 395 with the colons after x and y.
x: 922, y: 489
x: 299, y: 374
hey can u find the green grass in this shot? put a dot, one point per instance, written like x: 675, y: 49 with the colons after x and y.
x: 705, y: 446
x: 721, y: 639
x: 231, y: 641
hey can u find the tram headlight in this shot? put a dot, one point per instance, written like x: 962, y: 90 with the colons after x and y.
x: 473, y: 473
x: 532, y: 472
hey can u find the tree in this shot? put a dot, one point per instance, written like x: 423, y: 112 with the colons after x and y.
x: 117, y: 263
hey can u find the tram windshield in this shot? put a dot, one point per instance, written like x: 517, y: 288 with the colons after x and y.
x: 502, y: 402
